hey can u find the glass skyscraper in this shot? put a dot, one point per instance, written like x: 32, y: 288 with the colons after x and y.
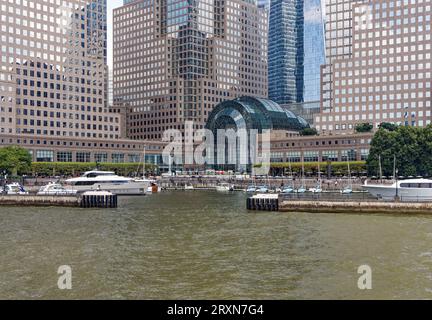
x: 314, y: 49
x: 285, y: 57
x: 296, y: 50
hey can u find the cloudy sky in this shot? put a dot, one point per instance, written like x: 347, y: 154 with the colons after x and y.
x: 111, y: 5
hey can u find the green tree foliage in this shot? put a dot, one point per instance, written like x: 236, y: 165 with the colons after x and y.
x: 412, y: 147
x: 363, y: 127
x: 388, y: 126
x: 309, y: 132
x: 14, y: 160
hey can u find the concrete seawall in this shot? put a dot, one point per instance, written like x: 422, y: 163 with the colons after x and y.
x: 355, y: 207
x: 40, y: 201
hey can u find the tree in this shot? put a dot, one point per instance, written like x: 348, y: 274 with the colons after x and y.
x: 412, y: 147
x: 388, y: 126
x: 309, y: 132
x: 14, y: 160
x: 363, y: 127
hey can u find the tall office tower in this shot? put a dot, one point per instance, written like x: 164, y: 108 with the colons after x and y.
x: 53, y: 69
x: 174, y: 60
x: 313, y: 49
x: 338, y: 40
x: 285, y: 51
x: 385, y: 75
x: 264, y: 4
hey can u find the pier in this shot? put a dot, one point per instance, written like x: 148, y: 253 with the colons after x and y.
x: 39, y: 201
x: 334, y: 203
x: 97, y: 199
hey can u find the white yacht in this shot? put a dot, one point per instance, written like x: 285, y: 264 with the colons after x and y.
x: 15, y: 189
x: 224, y: 187
x: 411, y: 190
x: 55, y: 189
x: 108, y: 181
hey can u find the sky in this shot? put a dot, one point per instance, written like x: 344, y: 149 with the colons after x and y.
x: 112, y: 4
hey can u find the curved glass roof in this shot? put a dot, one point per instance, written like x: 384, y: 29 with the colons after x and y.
x: 254, y: 113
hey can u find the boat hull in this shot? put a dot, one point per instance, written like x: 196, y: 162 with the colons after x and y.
x: 404, y: 194
x: 125, y: 189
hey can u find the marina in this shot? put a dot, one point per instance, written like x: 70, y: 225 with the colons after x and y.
x: 189, y: 245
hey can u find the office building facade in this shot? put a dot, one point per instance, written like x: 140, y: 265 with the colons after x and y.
x: 382, y: 73
x: 53, y: 69
x: 175, y: 60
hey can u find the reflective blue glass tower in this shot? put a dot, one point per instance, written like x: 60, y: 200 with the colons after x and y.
x: 296, y: 50
x: 285, y: 60
x: 314, y: 48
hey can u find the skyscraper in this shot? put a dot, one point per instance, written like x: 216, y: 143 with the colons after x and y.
x: 174, y: 60
x: 380, y: 67
x: 314, y: 49
x: 296, y: 50
x: 53, y: 69
x: 285, y: 52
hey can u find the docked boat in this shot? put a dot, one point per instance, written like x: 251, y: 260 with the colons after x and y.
x: 302, y: 189
x: 14, y: 189
x: 55, y: 189
x: 262, y: 189
x: 251, y: 189
x: 288, y: 189
x: 108, y: 181
x: 411, y: 190
x: 188, y: 187
x: 224, y: 187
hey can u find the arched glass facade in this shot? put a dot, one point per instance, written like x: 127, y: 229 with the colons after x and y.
x: 249, y: 113
x: 253, y: 113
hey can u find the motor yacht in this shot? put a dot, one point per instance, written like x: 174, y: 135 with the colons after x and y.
x: 411, y: 190
x: 14, y: 189
x: 108, y: 181
x: 55, y: 189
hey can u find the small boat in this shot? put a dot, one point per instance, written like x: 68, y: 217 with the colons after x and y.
x: 316, y: 189
x: 224, y: 187
x: 347, y: 190
x: 251, y: 189
x: 302, y: 189
x: 14, y: 189
x: 188, y: 187
x: 54, y: 189
x: 262, y: 189
x: 288, y: 189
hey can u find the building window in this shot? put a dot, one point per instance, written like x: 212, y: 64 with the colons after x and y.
x: 83, y: 157
x: 311, y: 156
x: 44, y: 156
x: 134, y: 158
x: 101, y: 157
x: 330, y: 155
x: 349, y: 155
x: 64, y: 156
x: 117, y: 157
x: 364, y: 154
x: 294, y: 156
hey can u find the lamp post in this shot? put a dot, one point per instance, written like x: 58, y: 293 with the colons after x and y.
x: 397, y: 190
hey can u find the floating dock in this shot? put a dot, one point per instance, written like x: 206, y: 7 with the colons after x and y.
x: 343, y: 204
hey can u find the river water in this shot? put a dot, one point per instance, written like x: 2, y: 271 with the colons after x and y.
x: 205, y: 245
